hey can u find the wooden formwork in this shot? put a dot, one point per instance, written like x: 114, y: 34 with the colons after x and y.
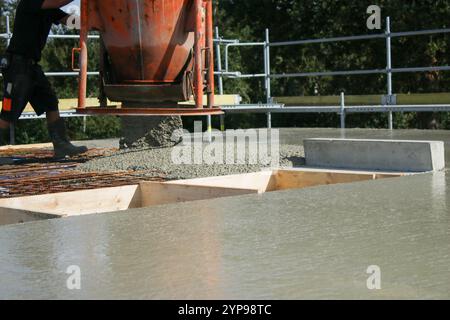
x: 146, y: 194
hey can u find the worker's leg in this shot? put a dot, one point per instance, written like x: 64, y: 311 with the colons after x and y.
x: 4, y: 128
x: 4, y: 124
x: 16, y: 90
x: 3, y: 142
x: 52, y: 116
x: 61, y: 143
x: 17, y: 87
x: 44, y: 100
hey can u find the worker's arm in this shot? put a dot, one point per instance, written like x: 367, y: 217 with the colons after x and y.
x: 55, y: 4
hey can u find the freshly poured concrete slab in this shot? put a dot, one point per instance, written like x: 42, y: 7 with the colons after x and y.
x: 146, y: 193
x: 14, y: 216
x: 370, y: 154
x: 296, y: 244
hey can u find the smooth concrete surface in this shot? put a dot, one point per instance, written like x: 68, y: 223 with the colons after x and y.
x: 15, y: 216
x: 297, y: 244
x: 370, y: 154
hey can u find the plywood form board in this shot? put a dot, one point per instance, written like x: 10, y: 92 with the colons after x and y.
x: 156, y: 193
x: 79, y: 202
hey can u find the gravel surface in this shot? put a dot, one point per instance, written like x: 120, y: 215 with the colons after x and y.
x: 158, y: 161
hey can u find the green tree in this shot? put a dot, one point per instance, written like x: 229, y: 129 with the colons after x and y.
x: 294, y: 20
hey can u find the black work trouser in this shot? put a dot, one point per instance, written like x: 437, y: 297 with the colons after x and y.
x: 24, y: 82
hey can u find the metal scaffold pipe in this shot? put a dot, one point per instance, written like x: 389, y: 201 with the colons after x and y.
x: 267, y: 76
x: 220, y: 77
x: 12, y: 129
x: 83, y: 54
x: 343, y: 110
x: 389, y: 69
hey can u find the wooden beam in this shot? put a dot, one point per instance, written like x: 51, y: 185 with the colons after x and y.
x: 71, y: 104
x: 259, y: 181
x: 328, y: 100
x: 78, y: 202
x: 423, y: 98
x: 155, y: 193
x: 356, y: 100
x: 27, y: 146
x: 298, y: 179
x: 219, y: 100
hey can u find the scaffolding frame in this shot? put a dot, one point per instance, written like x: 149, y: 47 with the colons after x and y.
x: 387, y: 105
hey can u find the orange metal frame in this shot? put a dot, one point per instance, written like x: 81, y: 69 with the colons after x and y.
x: 203, y: 72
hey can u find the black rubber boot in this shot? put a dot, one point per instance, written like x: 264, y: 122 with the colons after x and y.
x: 63, y: 147
x: 4, y: 142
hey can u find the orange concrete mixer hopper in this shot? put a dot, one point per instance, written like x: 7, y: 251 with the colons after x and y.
x: 155, y: 53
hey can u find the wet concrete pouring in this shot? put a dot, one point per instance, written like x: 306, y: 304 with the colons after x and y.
x: 313, y: 243
x: 159, y: 161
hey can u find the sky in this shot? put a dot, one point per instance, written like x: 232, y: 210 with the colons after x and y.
x: 76, y: 2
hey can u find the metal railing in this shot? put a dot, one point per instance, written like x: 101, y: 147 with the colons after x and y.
x: 389, y: 101
x: 388, y: 104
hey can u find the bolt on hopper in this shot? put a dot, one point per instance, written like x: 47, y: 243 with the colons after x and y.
x: 154, y: 54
